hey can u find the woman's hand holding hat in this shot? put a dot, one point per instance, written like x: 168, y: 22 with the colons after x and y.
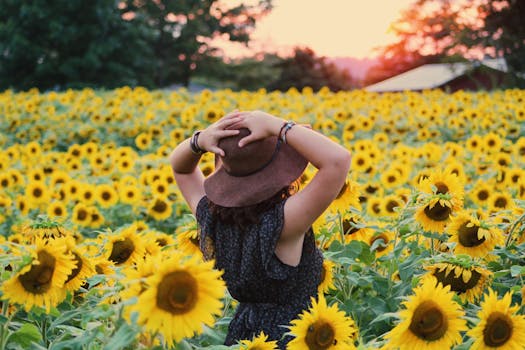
x: 260, y: 124
x: 209, y: 137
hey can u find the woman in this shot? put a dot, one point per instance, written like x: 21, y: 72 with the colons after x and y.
x: 259, y: 234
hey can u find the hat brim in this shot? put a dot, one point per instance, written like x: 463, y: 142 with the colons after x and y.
x: 239, y: 191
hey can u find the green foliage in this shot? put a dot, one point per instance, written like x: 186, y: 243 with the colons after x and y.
x: 304, y: 69
x: 244, y: 74
x: 73, y: 43
x: 183, y: 31
x: 431, y: 31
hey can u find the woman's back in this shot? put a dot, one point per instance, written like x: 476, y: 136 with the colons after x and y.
x: 271, y: 293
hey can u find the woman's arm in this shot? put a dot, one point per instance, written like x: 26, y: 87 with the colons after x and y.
x: 303, y: 208
x: 188, y: 175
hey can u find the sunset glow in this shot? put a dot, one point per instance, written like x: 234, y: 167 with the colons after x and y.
x: 344, y: 28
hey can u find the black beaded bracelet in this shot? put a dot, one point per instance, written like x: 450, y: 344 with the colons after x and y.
x: 194, y: 145
x: 286, y: 127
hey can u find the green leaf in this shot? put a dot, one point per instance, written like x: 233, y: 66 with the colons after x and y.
x: 124, y: 336
x: 26, y: 335
x: 516, y: 270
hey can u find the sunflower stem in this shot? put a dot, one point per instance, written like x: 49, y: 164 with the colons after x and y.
x: 509, y: 240
x: 3, y: 329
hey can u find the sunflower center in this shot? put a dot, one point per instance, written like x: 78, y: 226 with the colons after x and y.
x: 500, y: 202
x: 468, y: 236
x: 37, y: 192
x: 77, y: 269
x: 441, y: 188
x: 106, y: 196
x: 121, y: 251
x: 383, y: 244
x: 483, y: 195
x: 348, y: 227
x: 160, y: 206
x: 456, y: 283
x: 498, y: 329
x: 38, y: 279
x: 82, y: 214
x: 177, y: 293
x: 428, y: 321
x: 390, y: 205
x: 320, y: 336
x: 438, y: 212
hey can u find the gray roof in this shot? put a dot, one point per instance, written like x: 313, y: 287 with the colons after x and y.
x: 431, y: 76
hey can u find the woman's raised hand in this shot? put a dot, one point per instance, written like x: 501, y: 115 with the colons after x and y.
x: 260, y: 124
x: 209, y: 138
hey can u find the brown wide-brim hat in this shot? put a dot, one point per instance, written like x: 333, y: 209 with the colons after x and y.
x: 257, y: 171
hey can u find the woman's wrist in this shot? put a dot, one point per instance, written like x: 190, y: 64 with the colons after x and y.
x: 195, y: 145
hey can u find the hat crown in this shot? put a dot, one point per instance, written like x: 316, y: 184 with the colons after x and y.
x: 242, y: 161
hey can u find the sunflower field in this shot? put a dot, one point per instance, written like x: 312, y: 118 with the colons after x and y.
x: 424, y: 246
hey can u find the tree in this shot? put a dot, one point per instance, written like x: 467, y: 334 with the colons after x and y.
x: 304, y: 69
x: 436, y: 30
x: 70, y: 43
x: 184, y: 31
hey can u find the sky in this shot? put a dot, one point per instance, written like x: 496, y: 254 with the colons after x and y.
x: 332, y: 28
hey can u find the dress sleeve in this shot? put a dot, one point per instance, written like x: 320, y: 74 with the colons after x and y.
x: 206, y: 242
x: 269, y: 234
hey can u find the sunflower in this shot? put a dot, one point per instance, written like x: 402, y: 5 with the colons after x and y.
x: 361, y: 162
x: 434, y: 215
x: 159, y: 188
x: 129, y: 194
x: 322, y: 327
x: 106, y: 195
x: 353, y: 228
x: 96, y: 217
x: 391, y: 178
x: 155, y: 241
x: 500, y: 201
x: 72, y: 189
x: 160, y: 209
x: 327, y: 277
x: 374, y: 206
x: 135, y: 276
x: 499, y: 327
x: 260, y: 342
x: 383, y: 239
x: 467, y: 282
x: 492, y: 142
x: 125, y: 164
x: 84, y: 267
x: 57, y: 209
x: 391, y: 204
x: 87, y: 194
x: 181, y: 296
x: 81, y: 215
x: 347, y: 197
x: 125, y: 247
x: 473, y: 236
x: 481, y: 192
x: 187, y: 240
x: 444, y: 183
x: 41, y: 282
x: 431, y: 320
x: 37, y: 193
x: 143, y: 141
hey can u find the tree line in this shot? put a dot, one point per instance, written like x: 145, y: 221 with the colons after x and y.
x: 62, y: 44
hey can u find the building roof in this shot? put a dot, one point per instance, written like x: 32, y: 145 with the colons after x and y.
x: 431, y: 76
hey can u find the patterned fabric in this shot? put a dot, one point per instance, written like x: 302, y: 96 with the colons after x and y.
x: 270, y: 292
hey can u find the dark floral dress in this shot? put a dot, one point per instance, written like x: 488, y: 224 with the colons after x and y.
x: 270, y: 293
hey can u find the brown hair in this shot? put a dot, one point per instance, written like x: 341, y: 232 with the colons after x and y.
x: 248, y: 215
